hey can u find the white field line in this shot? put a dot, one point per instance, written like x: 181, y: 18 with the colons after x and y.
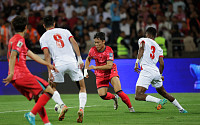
x: 46, y: 108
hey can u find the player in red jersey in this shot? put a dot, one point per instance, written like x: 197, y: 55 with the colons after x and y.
x: 105, y: 71
x: 21, y: 78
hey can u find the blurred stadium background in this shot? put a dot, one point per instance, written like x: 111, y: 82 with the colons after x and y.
x: 124, y: 22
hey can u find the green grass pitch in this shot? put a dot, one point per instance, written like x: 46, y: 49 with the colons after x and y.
x: 101, y: 112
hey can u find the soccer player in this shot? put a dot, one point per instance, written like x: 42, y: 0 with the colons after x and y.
x: 149, y: 54
x: 59, y: 43
x: 105, y: 71
x: 21, y: 78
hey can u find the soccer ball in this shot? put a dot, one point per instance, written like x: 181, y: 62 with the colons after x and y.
x: 57, y: 108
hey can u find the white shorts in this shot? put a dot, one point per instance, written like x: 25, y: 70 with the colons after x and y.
x: 71, y: 69
x: 148, y: 77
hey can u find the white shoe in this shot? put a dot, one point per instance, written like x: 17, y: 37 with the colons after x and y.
x: 116, y: 102
x: 131, y: 109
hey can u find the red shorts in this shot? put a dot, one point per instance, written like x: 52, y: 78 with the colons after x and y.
x: 104, y: 81
x: 30, y: 85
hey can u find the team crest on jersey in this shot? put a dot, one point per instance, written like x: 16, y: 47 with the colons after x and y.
x: 110, y: 55
x: 19, y: 44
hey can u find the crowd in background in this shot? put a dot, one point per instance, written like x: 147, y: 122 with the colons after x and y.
x: 123, y: 22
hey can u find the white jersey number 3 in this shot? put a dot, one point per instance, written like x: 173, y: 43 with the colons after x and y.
x: 59, y: 41
x: 152, y: 54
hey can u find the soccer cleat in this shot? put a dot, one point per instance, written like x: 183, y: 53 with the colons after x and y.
x: 183, y: 111
x: 116, y: 102
x: 30, y: 118
x: 80, y: 116
x: 62, y: 113
x: 131, y: 109
x: 161, y: 103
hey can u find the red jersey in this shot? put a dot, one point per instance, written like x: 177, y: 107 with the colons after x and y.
x: 101, y: 59
x: 17, y: 43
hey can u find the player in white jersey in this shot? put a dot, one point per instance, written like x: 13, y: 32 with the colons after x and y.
x: 148, y: 55
x: 59, y: 43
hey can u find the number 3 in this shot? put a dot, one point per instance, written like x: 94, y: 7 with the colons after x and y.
x: 59, y: 41
x: 152, y: 54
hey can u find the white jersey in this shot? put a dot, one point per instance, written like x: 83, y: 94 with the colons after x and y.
x: 60, y: 48
x: 152, y: 52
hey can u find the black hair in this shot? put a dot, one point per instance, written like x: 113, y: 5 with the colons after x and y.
x: 100, y: 35
x: 19, y: 23
x: 151, y: 31
x: 48, y: 21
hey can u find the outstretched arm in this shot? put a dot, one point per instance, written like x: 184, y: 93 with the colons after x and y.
x: 76, y: 49
x: 41, y: 61
x: 12, y: 60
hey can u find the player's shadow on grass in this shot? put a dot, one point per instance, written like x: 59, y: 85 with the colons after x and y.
x: 139, y: 112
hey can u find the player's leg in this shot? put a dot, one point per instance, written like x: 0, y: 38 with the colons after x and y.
x: 82, y: 100
x: 166, y: 95
x: 76, y: 75
x: 117, y: 88
x: 58, y: 78
x: 43, y: 113
x: 56, y: 96
x: 143, y: 82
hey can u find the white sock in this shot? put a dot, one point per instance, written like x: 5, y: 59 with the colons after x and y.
x: 56, y: 97
x: 82, y: 99
x: 150, y: 98
x: 47, y: 123
x: 31, y: 114
x: 175, y: 102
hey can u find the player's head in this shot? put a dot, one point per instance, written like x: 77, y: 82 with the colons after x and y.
x: 19, y: 23
x: 150, y: 33
x: 48, y: 21
x: 99, y: 40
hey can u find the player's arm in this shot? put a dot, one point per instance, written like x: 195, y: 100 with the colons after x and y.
x: 12, y: 60
x: 104, y: 67
x: 139, y: 56
x: 47, y: 58
x: 41, y: 61
x: 76, y: 49
x: 161, y: 67
x: 87, y: 63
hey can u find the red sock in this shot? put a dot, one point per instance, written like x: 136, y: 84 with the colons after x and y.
x: 124, y: 98
x: 109, y: 96
x: 43, y: 115
x: 44, y: 98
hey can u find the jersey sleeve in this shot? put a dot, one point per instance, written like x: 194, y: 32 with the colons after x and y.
x: 140, y: 41
x: 17, y: 46
x: 160, y: 52
x: 69, y: 35
x: 110, y: 55
x: 43, y: 43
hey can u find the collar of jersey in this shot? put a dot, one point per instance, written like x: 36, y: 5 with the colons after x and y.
x: 103, y: 50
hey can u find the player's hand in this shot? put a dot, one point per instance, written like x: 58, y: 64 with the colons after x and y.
x: 8, y: 79
x: 92, y: 67
x: 162, y: 77
x: 51, y: 78
x: 136, y: 68
x: 52, y: 67
x: 86, y: 73
x: 80, y: 62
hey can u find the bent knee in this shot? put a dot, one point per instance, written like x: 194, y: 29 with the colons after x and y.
x: 103, y: 96
x: 139, y: 97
